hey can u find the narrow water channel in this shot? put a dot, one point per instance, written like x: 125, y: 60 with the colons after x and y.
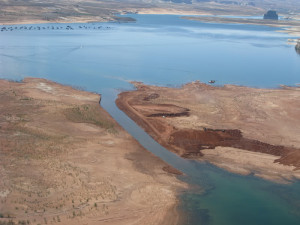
x: 216, y: 196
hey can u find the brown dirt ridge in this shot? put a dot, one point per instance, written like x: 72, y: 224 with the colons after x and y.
x: 244, y: 130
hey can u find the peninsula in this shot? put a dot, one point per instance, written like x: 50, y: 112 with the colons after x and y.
x: 64, y: 160
x: 244, y: 130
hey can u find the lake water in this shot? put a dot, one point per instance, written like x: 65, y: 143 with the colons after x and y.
x: 166, y: 50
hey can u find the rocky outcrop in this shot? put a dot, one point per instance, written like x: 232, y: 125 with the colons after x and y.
x: 271, y: 15
x: 297, y: 47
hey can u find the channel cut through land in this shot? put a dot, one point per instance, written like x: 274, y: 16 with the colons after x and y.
x: 64, y: 160
x: 241, y: 129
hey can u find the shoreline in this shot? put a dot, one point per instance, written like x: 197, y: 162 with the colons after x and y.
x: 68, y: 21
x: 14, y: 12
x: 171, y: 116
x: 65, y: 153
x: 31, y: 12
x: 291, y: 27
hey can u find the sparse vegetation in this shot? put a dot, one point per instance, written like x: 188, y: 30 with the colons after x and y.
x: 89, y: 114
x: 10, y: 222
x: 55, y: 173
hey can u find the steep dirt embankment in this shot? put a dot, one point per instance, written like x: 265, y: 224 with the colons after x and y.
x: 64, y: 160
x: 223, y: 125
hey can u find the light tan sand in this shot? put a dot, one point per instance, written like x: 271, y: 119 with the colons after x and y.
x: 64, y: 160
x: 259, y: 164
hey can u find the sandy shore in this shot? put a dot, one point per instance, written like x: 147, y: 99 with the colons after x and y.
x: 292, y: 27
x: 76, y: 11
x: 63, y: 11
x: 64, y: 160
x: 39, y: 11
x: 245, y: 130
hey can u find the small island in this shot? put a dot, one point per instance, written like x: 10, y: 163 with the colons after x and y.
x: 271, y: 15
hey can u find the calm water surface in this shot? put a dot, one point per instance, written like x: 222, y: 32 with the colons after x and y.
x: 166, y: 50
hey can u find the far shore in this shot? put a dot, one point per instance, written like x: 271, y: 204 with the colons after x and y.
x: 292, y: 27
x: 12, y: 12
x: 64, y: 11
x: 103, y: 11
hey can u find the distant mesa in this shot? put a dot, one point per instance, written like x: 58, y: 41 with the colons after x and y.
x: 297, y: 47
x: 271, y: 15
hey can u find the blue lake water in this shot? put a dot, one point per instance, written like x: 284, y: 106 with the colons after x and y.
x: 166, y: 50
